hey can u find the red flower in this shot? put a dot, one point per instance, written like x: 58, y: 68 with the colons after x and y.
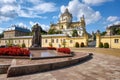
x: 14, y: 51
x: 64, y: 50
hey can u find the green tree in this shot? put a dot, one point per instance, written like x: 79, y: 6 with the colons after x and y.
x: 106, y: 45
x: 1, y: 35
x: 51, y: 31
x: 74, y: 34
x: 50, y: 44
x: 101, y: 45
x: 103, y: 33
x: 23, y: 45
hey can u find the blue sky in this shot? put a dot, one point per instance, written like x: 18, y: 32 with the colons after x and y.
x: 98, y: 13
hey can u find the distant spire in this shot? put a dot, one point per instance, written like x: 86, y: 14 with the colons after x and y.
x: 66, y: 10
x: 83, y: 16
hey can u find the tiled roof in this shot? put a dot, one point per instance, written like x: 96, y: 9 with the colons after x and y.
x: 18, y: 28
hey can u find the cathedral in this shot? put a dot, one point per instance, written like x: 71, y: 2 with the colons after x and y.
x: 66, y: 25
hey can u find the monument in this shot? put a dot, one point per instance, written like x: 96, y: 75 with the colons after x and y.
x: 36, y: 40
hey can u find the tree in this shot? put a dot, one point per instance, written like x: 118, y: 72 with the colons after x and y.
x: 23, y: 45
x: 51, y: 31
x: 74, y: 34
x: 103, y: 33
x: 1, y: 35
x: 50, y: 44
x: 101, y: 45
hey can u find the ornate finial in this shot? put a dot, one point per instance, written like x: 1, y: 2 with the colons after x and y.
x: 66, y: 10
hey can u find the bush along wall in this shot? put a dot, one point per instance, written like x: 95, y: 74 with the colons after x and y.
x: 106, y: 45
x: 101, y: 45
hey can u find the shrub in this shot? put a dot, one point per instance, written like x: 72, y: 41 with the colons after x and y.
x: 106, y: 45
x: 82, y: 44
x: 76, y: 44
x: 23, y: 45
x: 64, y: 50
x: 101, y: 45
x: 50, y: 44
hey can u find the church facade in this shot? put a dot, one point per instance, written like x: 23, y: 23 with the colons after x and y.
x: 66, y: 25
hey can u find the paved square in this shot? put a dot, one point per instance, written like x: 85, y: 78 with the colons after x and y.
x: 101, y: 67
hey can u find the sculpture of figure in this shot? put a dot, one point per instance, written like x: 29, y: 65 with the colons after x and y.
x: 36, y: 40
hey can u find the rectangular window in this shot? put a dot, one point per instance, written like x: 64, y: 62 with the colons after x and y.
x: 116, y: 40
x: 5, y: 41
x: 45, y: 40
x: 53, y: 40
x: 70, y: 41
x: 56, y: 40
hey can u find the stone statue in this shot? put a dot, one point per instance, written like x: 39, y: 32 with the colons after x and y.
x: 36, y: 40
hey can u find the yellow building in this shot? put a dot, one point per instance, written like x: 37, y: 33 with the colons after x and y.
x: 111, y: 38
x: 56, y: 40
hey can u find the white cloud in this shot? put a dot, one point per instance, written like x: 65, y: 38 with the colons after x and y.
x: 45, y: 7
x: 113, y: 23
x: 22, y: 25
x: 2, y: 29
x: 44, y: 27
x: 78, y: 9
x: 10, y: 9
x: 55, y: 17
x: 112, y: 18
x: 36, y: 8
x: 95, y: 2
x: 117, y: 22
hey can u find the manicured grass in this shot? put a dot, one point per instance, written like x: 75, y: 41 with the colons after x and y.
x: 108, y: 51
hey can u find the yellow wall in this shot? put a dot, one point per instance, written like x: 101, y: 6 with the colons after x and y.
x: 111, y: 41
x: 58, y: 40
x: 108, y: 39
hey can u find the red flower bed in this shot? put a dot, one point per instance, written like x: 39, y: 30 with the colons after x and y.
x: 51, y: 48
x: 64, y: 50
x: 14, y: 51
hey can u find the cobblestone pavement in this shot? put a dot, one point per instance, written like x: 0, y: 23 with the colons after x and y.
x: 100, y: 67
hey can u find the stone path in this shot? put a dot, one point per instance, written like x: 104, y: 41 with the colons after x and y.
x: 101, y: 67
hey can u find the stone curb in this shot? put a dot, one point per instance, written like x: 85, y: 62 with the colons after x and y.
x: 4, y: 68
x: 29, y: 69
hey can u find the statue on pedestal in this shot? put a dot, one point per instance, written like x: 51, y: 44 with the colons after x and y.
x: 36, y: 40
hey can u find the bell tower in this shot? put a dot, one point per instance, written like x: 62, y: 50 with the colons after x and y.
x: 66, y: 16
